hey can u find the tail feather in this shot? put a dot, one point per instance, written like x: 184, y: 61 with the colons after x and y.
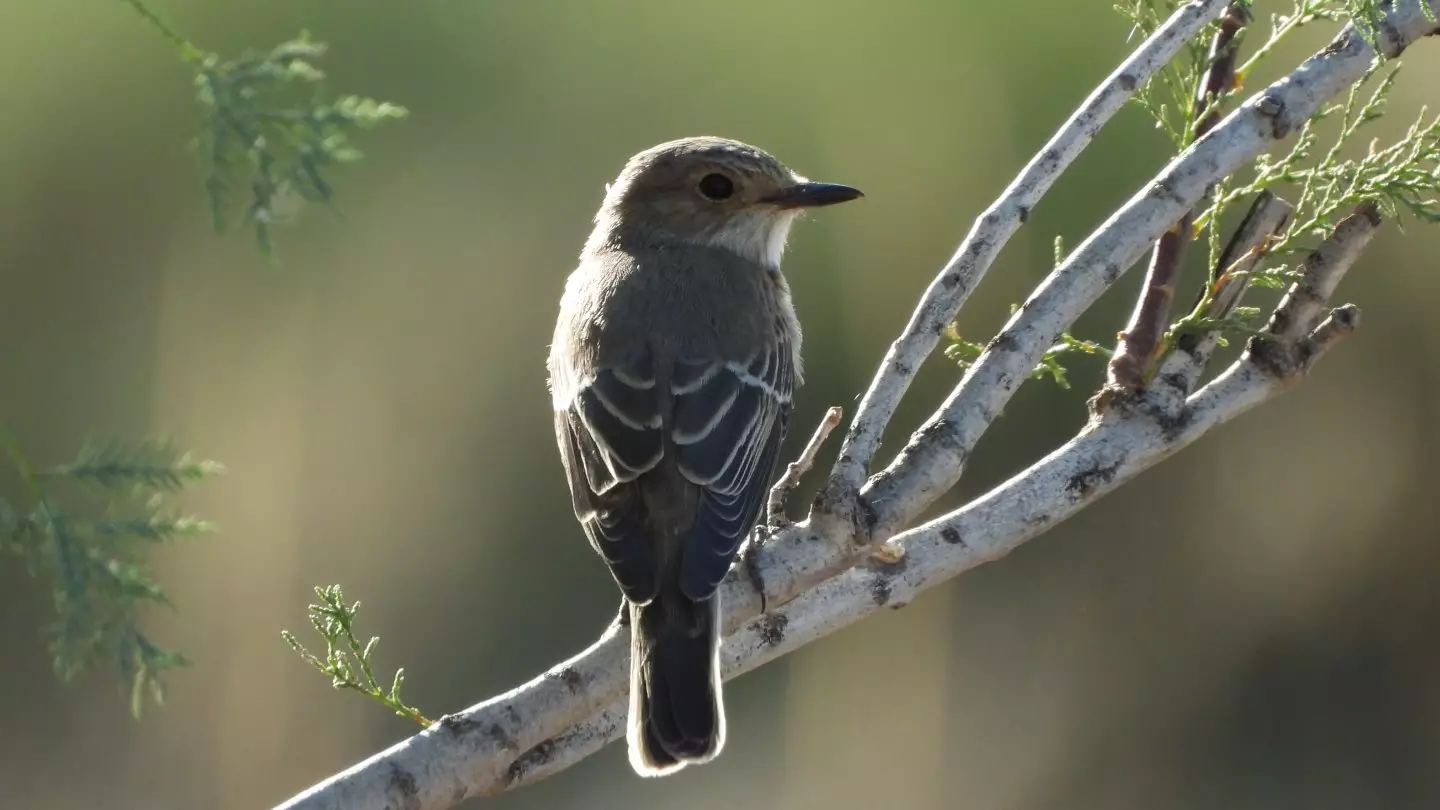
x: 677, y: 715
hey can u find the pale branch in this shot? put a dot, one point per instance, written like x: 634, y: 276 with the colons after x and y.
x: 790, y: 479
x: 1286, y: 353
x: 933, y: 460
x: 1230, y: 277
x: 1140, y: 343
x: 1114, y: 448
x: 1304, y: 306
x: 958, y: 278
x: 809, y: 569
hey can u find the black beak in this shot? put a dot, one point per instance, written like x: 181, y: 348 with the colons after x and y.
x: 813, y: 195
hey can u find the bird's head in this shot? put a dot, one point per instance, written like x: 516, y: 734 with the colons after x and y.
x: 716, y: 192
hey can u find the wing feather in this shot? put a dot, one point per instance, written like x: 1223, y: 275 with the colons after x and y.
x: 609, y: 437
x: 727, y: 419
x: 732, y: 459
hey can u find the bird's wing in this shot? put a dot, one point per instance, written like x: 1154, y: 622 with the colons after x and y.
x: 729, y: 418
x: 610, y: 434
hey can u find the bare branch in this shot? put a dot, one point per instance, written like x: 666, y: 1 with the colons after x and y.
x: 1338, y: 325
x: 948, y: 292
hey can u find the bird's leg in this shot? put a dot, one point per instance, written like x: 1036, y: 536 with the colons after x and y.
x: 750, y: 561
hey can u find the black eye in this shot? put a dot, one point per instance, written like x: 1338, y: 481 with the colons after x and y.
x: 716, y: 186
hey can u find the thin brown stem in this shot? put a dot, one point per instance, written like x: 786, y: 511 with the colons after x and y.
x: 1139, y: 348
x: 1229, y: 278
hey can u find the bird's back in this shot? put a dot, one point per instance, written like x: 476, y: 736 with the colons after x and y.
x: 688, y: 357
x: 678, y: 302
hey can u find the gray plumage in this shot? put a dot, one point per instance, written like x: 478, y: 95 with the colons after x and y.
x: 675, y: 357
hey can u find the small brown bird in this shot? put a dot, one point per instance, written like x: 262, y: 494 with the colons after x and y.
x: 675, y: 356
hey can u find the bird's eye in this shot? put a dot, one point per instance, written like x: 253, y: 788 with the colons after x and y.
x: 716, y: 186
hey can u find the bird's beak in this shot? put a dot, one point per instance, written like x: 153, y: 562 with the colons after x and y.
x: 813, y: 195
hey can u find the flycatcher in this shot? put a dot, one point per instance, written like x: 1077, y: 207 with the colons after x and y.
x: 674, y: 359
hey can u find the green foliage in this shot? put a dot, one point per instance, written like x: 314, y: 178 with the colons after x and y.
x: 1242, y: 323
x: 1168, y: 98
x: 87, y: 527
x: 964, y: 353
x: 151, y: 465
x: 1274, y: 278
x: 1367, y: 15
x: 1069, y: 344
x: 346, y: 661
x: 1302, y: 13
x: 270, y: 128
x: 1403, y: 178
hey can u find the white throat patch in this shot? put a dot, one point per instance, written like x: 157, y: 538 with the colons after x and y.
x: 757, y: 235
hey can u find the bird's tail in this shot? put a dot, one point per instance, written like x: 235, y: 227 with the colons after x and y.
x: 677, y: 715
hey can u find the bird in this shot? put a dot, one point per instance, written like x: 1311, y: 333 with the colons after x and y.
x: 675, y: 357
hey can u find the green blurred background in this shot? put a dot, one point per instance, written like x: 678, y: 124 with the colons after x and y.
x: 1253, y: 625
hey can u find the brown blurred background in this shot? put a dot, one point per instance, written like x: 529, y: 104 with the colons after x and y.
x: 1252, y: 625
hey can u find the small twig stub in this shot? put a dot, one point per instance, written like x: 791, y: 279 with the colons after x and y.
x: 795, y: 470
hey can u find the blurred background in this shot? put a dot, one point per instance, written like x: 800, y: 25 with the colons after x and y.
x: 1251, y: 625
